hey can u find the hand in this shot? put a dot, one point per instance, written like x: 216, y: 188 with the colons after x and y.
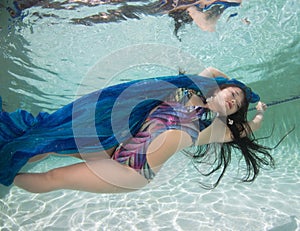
x: 256, y: 122
x: 261, y: 107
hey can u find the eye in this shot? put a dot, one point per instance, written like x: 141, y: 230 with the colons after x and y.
x: 234, y: 94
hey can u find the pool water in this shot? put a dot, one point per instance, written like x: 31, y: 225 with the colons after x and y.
x: 48, y: 61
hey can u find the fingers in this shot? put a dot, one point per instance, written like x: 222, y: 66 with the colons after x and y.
x: 261, y: 106
x: 264, y: 106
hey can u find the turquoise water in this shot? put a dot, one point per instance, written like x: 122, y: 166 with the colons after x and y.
x: 48, y: 62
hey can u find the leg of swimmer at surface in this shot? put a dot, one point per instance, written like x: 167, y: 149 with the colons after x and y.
x: 203, y: 20
x: 207, y: 18
x: 82, y: 177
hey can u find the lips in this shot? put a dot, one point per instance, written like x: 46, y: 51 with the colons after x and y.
x: 229, y: 105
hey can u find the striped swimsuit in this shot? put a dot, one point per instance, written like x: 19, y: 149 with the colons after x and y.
x: 167, y: 116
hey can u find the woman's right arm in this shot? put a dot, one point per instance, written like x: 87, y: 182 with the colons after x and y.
x: 218, y: 132
x: 212, y: 72
x: 256, y: 122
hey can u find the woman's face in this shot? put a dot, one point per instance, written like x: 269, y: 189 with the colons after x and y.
x: 227, y: 101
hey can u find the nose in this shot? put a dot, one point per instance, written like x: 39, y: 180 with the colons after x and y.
x: 233, y: 102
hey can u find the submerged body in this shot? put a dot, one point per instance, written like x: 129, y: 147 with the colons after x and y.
x: 121, y: 156
x: 93, y: 123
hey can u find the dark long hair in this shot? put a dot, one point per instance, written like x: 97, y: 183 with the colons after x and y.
x: 218, y: 156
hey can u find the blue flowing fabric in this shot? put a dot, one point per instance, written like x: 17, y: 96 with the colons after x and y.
x: 94, y: 122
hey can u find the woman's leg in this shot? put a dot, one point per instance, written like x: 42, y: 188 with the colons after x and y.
x: 38, y: 157
x: 86, y: 156
x: 101, y: 176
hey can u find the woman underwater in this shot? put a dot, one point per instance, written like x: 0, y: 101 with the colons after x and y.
x: 125, y: 133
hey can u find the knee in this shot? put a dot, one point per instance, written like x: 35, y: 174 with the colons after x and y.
x: 54, y: 179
